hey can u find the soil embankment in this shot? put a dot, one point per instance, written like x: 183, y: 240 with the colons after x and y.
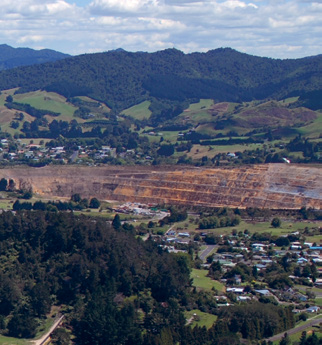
x: 272, y: 186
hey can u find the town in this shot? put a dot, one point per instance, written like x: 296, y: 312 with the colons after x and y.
x: 245, y: 263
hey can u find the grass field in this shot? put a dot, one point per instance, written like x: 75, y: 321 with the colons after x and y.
x: 139, y: 112
x: 13, y: 341
x: 35, y: 141
x: 186, y: 225
x: 170, y: 136
x: 198, y: 151
x: 286, y: 227
x: 201, y: 281
x: 318, y: 301
x: 48, y: 101
x: 314, y: 129
x: 5, y: 204
x: 201, y: 319
x: 4, y: 95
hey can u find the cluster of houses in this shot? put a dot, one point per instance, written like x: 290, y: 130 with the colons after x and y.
x: 259, y: 254
x: 18, y: 151
x: 15, y: 150
x: 29, y: 152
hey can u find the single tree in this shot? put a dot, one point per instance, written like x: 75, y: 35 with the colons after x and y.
x: 3, y: 184
x: 276, y: 222
x: 76, y: 197
x: 94, y: 203
x: 116, y: 223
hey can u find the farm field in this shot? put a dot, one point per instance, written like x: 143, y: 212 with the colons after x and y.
x: 201, y: 281
x: 286, y: 228
x: 198, y: 151
x: 13, y: 341
x: 138, y: 112
x: 48, y: 101
x: 314, y: 129
x: 200, y: 318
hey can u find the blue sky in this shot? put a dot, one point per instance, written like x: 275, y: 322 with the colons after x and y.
x: 273, y: 28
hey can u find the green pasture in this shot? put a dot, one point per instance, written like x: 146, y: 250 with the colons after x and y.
x: 5, y: 204
x: 302, y: 288
x: 201, y: 319
x: 210, y: 151
x: 139, y: 112
x: 13, y: 341
x: 48, y: 101
x: 168, y: 136
x: 171, y: 136
x: 4, y: 94
x: 5, y: 127
x: 201, y: 281
x: 318, y: 301
x: 286, y: 228
x: 35, y: 141
x: 198, y: 112
x: 186, y: 225
x: 202, y: 104
x: 296, y: 155
x: 42, y: 329
x: 208, y: 129
x: 314, y: 129
x: 289, y: 100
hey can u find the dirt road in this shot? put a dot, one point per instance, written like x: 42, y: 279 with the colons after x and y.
x: 45, y: 337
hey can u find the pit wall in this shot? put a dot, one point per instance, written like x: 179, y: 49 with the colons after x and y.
x: 274, y: 186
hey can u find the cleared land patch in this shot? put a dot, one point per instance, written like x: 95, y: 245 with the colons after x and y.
x: 139, y: 112
x: 201, y: 319
x: 201, y: 281
x: 48, y: 101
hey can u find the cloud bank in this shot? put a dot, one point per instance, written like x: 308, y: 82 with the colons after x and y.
x: 278, y: 29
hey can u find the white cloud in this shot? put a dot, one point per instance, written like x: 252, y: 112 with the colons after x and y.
x: 132, y: 6
x: 232, y: 4
x: 276, y: 28
x: 31, y: 7
x: 31, y: 38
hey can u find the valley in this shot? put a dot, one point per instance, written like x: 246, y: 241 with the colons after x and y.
x: 160, y: 198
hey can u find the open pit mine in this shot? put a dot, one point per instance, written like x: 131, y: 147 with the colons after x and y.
x: 273, y: 186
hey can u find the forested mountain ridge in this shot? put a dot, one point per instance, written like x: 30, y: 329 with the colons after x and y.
x: 122, y: 79
x: 15, y: 57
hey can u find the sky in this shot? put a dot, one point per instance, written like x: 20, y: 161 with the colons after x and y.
x: 271, y: 28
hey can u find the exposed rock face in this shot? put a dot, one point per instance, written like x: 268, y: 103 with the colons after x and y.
x: 284, y: 186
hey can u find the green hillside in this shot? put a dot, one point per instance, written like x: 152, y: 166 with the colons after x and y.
x: 122, y: 79
x: 169, y: 107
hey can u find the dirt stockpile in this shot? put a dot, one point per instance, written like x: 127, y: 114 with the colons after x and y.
x: 269, y: 186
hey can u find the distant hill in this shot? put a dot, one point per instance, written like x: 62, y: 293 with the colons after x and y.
x: 15, y: 57
x: 170, y: 78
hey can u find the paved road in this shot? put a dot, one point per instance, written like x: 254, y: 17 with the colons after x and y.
x: 203, y: 255
x: 314, y: 321
x: 42, y: 340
